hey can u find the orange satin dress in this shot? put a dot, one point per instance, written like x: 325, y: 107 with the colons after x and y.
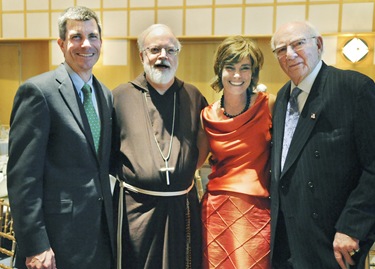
x: 236, y: 205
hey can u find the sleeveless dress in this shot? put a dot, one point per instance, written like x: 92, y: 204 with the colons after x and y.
x: 236, y: 205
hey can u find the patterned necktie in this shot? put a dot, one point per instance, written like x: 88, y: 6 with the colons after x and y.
x: 91, y: 115
x: 291, y: 119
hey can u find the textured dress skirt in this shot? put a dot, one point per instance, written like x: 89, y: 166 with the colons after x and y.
x: 236, y: 231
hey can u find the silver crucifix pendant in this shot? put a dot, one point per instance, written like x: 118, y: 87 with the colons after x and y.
x: 167, y: 169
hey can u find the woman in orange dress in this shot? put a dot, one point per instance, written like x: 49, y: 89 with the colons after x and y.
x: 236, y: 205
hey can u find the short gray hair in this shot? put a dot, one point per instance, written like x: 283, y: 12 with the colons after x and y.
x: 145, y: 33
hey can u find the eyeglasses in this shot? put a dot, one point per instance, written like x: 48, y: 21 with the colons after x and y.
x: 295, y: 46
x: 157, y: 50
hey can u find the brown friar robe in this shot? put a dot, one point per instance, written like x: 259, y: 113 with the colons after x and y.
x: 154, y: 227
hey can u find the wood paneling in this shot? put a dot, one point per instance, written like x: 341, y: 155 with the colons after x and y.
x: 18, y: 62
x: 10, y: 77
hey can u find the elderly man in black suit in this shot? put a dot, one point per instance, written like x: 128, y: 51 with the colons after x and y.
x: 60, y: 139
x: 323, y: 184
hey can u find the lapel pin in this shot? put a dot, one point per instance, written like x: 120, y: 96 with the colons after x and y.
x: 313, y: 116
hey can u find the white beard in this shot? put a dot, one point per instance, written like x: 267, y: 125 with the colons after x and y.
x: 159, y: 76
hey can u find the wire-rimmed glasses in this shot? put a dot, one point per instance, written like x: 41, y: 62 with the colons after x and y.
x: 157, y: 50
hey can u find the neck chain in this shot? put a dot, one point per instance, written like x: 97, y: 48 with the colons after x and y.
x: 165, y: 169
x: 248, y: 98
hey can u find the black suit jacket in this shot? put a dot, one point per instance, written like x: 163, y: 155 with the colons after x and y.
x: 328, y: 181
x: 58, y: 186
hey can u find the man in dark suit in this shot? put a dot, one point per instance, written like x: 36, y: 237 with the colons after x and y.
x: 323, y: 190
x: 58, y: 179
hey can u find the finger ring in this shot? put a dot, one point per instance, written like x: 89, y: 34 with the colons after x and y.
x: 351, y: 253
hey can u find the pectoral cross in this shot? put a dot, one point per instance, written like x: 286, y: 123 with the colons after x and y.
x: 167, y: 169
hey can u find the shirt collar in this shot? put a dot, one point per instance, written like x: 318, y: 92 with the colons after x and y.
x: 76, y: 79
x: 307, y: 83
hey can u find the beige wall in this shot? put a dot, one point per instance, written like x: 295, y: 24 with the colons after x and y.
x: 195, y: 66
x: 30, y: 26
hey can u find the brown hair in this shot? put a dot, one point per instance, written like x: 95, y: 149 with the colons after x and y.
x: 233, y: 50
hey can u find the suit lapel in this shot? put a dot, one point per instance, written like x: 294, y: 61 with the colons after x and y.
x: 308, y: 118
x: 71, y: 99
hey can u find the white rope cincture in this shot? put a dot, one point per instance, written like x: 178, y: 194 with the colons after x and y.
x: 157, y: 193
x: 120, y: 215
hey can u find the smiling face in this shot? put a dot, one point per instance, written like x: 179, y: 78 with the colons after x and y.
x: 298, y: 64
x: 81, y: 47
x: 160, y: 58
x: 236, y: 77
x: 232, y: 53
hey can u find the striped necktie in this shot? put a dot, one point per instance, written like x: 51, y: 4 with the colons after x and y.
x: 91, y: 115
x: 291, y: 119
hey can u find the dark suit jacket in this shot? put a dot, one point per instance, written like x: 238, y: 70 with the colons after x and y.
x: 58, y: 187
x: 328, y: 181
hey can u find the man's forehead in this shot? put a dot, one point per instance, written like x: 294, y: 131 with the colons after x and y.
x: 79, y: 26
x: 283, y: 40
x: 160, y: 40
x: 290, y: 32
